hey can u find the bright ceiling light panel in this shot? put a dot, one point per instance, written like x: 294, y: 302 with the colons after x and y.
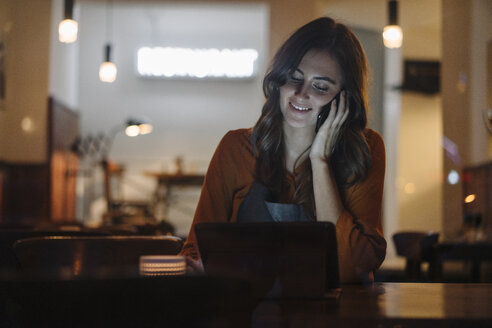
x: 196, y: 63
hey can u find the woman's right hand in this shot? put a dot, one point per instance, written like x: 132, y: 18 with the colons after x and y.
x: 194, y: 266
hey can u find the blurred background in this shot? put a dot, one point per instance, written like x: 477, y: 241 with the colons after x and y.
x: 65, y: 156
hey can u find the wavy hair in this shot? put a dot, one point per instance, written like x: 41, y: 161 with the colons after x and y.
x: 350, y: 159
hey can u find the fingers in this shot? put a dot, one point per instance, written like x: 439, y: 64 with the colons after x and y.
x: 332, y: 126
x: 194, y: 266
x: 327, y: 136
x: 342, y: 110
x: 338, y: 114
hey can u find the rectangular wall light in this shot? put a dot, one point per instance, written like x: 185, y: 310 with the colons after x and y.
x: 167, y: 62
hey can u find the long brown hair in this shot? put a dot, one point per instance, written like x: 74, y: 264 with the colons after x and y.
x: 350, y: 159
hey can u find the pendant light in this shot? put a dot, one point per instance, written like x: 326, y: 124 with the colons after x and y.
x: 392, y: 34
x: 108, y: 70
x: 68, y: 27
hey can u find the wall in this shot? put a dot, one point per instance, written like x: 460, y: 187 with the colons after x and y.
x: 481, y: 31
x: 464, y: 95
x: 5, y: 27
x: 419, y: 180
x: 420, y: 21
x: 25, y: 27
x: 373, y: 46
x: 189, y: 110
x: 286, y: 16
x: 420, y: 163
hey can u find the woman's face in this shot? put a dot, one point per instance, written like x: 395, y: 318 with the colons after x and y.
x: 314, y: 83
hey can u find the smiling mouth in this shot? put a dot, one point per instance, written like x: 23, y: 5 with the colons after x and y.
x: 303, y: 109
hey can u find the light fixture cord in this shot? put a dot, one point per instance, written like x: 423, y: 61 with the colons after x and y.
x: 68, y: 9
x: 109, y: 30
x: 393, y: 12
x: 109, y: 20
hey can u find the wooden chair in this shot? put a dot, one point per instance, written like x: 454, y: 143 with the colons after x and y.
x: 119, y: 209
x: 417, y: 247
x: 79, y: 256
x: 8, y: 236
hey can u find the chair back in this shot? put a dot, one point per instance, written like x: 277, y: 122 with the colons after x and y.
x: 121, y: 210
x: 8, y: 236
x: 415, y: 245
x: 86, y: 255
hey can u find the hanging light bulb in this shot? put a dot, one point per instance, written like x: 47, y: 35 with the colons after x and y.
x: 107, y: 70
x: 67, y: 31
x: 392, y: 36
x: 392, y: 33
x: 68, y: 28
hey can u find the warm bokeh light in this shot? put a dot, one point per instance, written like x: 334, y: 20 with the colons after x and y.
x: 27, y: 124
x: 409, y: 188
x: 392, y: 36
x: 107, y: 72
x: 145, y: 128
x: 67, y: 31
x: 470, y: 198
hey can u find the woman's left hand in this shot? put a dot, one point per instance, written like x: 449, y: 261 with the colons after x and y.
x: 327, y: 136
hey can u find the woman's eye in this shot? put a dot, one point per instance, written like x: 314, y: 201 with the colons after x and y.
x: 295, y: 79
x: 320, y: 88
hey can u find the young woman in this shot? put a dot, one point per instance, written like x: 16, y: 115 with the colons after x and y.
x: 286, y: 169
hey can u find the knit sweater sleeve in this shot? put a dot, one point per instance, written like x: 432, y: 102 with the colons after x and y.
x: 361, y: 244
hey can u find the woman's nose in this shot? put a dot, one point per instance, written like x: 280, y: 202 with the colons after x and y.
x: 302, y: 91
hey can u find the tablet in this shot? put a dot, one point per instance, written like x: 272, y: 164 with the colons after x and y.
x: 280, y: 259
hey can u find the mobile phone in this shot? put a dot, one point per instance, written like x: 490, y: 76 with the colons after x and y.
x: 325, y: 111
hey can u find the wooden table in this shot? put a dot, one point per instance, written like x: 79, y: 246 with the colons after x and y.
x: 203, y: 301
x: 122, y: 299
x: 177, y: 179
x: 386, y: 305
x: 166, y: 182
x: 472, y: 252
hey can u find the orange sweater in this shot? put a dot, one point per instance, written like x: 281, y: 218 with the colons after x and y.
x: 361, y: 245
